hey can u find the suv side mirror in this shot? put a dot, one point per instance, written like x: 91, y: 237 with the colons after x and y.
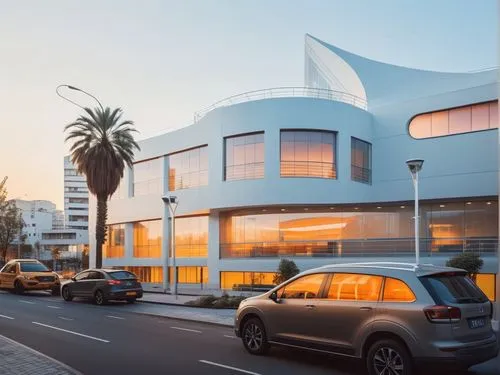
x: 73, y: 278
x: 274, y: 296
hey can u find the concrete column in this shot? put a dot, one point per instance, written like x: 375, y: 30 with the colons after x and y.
x: 165, y: 242
x: 129, y: 240
x: 496, y: 316
x: 213, y: 251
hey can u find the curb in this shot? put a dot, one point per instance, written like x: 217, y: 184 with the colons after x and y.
x: 187, y: 320
x: 181, y: 305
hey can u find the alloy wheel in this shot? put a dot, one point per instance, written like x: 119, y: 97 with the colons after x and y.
x: 65, y: 293
x: 253, y: 336
x: 388, y: 361
x: 99, y: 298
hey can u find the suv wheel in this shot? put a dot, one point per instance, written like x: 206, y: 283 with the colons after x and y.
x: 254, y: 337
x: 66, y: 294
x: 388, y: 357
x: 19, y: 287
x: 99, y: 298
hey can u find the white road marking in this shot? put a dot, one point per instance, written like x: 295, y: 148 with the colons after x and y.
x: 230, y: 337
x: 114, y: 317
x: 6, y: 317
x: 186, y: 329
x: 53, y: 307
x: 73, y: 333
x: 23, y: 301
x: 228, y: 367
x: 63, y: 318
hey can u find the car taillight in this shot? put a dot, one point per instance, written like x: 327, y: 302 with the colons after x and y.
x: 114, y: 282
x: 442, y: 314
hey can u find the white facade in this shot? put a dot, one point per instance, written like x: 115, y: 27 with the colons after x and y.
x: 353, y: 98
x: 76, y: 195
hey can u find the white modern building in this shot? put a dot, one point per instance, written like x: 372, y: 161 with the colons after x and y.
x: 316, y: 174
x: 38, y: 216
x: 76, y: 197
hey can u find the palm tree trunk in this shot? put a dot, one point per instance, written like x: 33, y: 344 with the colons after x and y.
x: 100, y: 228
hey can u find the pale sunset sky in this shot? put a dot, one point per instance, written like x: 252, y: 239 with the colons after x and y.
x: 162, y: 60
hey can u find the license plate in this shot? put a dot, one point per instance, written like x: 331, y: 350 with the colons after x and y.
x: 131, y: 293
x: 477, y: 323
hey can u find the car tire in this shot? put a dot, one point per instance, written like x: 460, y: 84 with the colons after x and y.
x: 388, y: 354
x: 66, y: 294
x: 254, y: 337
x: 19, y: 287
x: 99, y: 298
x: 131, y: 300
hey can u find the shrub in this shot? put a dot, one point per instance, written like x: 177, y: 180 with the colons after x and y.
x: 286, y: 270
x: 224, y: 302
x: 468, y: 261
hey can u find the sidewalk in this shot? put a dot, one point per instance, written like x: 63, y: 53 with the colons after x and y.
x: 18, y: 359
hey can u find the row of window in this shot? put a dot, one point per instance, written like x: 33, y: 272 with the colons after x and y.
x: 304, y: 153
x: 476, y: 117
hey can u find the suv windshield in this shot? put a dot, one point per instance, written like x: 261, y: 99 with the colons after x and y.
x: 33, y: 267
x: 454, y: 288
x: 122, y: 275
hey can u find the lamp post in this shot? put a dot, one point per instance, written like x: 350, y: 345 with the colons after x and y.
x: 77, y: 89
x: 415, y: 165
x: 172, y: 203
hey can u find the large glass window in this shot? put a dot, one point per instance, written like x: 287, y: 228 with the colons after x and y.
x: 147, y: 239
x: 354, y: 287
x: 114, y: 247
x: 246, y: 280
x: 306, y: 287
x: 308, y: 154
x: 191, y: 236
x: 146, y: 274
x: 244, y: 157
x: 486, y: 281
x: 460, y: 120
x: 361, y: 161
x: 188, y: 169
x: 190, y: 275
x: 397, y: 291
x: 147, y: 177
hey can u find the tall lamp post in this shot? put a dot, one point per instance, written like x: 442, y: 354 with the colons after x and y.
x: 415, y: 165
x: 172, y: 203
x: 77, y: 89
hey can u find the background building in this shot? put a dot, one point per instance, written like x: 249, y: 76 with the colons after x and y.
x: 316, y: 174
x: 76, y: 197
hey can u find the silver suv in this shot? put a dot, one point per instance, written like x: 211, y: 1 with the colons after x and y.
x: 393, y: 316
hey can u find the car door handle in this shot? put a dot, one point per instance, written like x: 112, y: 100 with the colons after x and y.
x: 310, y: 307
x: 366, y: 308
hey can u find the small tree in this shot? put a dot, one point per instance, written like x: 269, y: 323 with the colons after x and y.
x: 468, y: 261
x: 286, y: 270
x: 10, y: 222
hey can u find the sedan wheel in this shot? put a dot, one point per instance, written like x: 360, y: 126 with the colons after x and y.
x: 254, y: 337
x: 388, y: 357
x: 66, y: 294
x: 99, y: 298
x: 19, y: 287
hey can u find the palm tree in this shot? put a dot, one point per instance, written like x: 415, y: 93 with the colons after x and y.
x: 103, y: 145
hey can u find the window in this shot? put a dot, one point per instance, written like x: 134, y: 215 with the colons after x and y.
x: 306, y: 287
x: 114, y: 247
x: 460, y: 120
x: 70, y: 172
x: 247, y: 280
x: 146, y: 274
x: 147, y: 239
x: 95, y: 276
x: 354, y: 287
x: 308, y: 154
x: 190, y: 275
x: 361, y: 161
x: 78, y: 218
x: 78, y: 200
x: 454, y: 288
x: 188, y: 169
x: 122, y: 275
x: 244, y: 157
x: 191, y: 236
x: 397, y: 291
x: 147, y: 177
x: 58, y: 236
x: 486, y: 281
x: 82, y: 276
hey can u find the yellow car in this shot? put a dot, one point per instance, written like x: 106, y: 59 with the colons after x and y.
x: 20, y: 275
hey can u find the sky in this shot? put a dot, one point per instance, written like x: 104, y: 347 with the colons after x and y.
x: 163, y: 60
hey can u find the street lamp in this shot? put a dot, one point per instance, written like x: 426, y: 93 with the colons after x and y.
x: 77, y: 89
x: 172, y: 203
x: 415, y: 165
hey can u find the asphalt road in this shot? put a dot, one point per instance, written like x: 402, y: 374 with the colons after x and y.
x: 113, y: 340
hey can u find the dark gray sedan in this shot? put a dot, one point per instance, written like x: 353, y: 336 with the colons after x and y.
x: 102, y: 285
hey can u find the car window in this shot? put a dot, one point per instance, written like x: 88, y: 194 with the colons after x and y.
x: 354, y: 287
x: 33, y: 267
x: 454, y: 288
x: 10, y: 268
x: 95, y: 275
x: 122, y: 275
x: 305, y: 287
x: 397, y: 291
x: 82, y: 276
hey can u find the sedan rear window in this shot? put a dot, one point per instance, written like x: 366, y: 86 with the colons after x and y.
x: 33, y: 267
x: 454, y: 288
x: 122, y: 275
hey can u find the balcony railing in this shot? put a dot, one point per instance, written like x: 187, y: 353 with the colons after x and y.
x: 361, y: 174
x: 361, y: 248
x: 285, y: 92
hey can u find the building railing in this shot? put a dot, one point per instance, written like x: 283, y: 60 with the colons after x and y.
x: 308, y: 169
x: 285, y: 92
x: 361, y: 248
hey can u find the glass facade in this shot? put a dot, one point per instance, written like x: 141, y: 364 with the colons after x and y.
x: 486, y: 281
x: 146, y: 274
x: 460, y: 120
x: 359, y: 231
x: 190, y: 275
x: 244, y: 157
x: 114, y: 247
x: 308, y: 154
x: 191, y: 237
x: 188, y: 169
x: 235, y: 280
x: 147, y: 239
x: 361, y: 161
x: 147, y: 177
